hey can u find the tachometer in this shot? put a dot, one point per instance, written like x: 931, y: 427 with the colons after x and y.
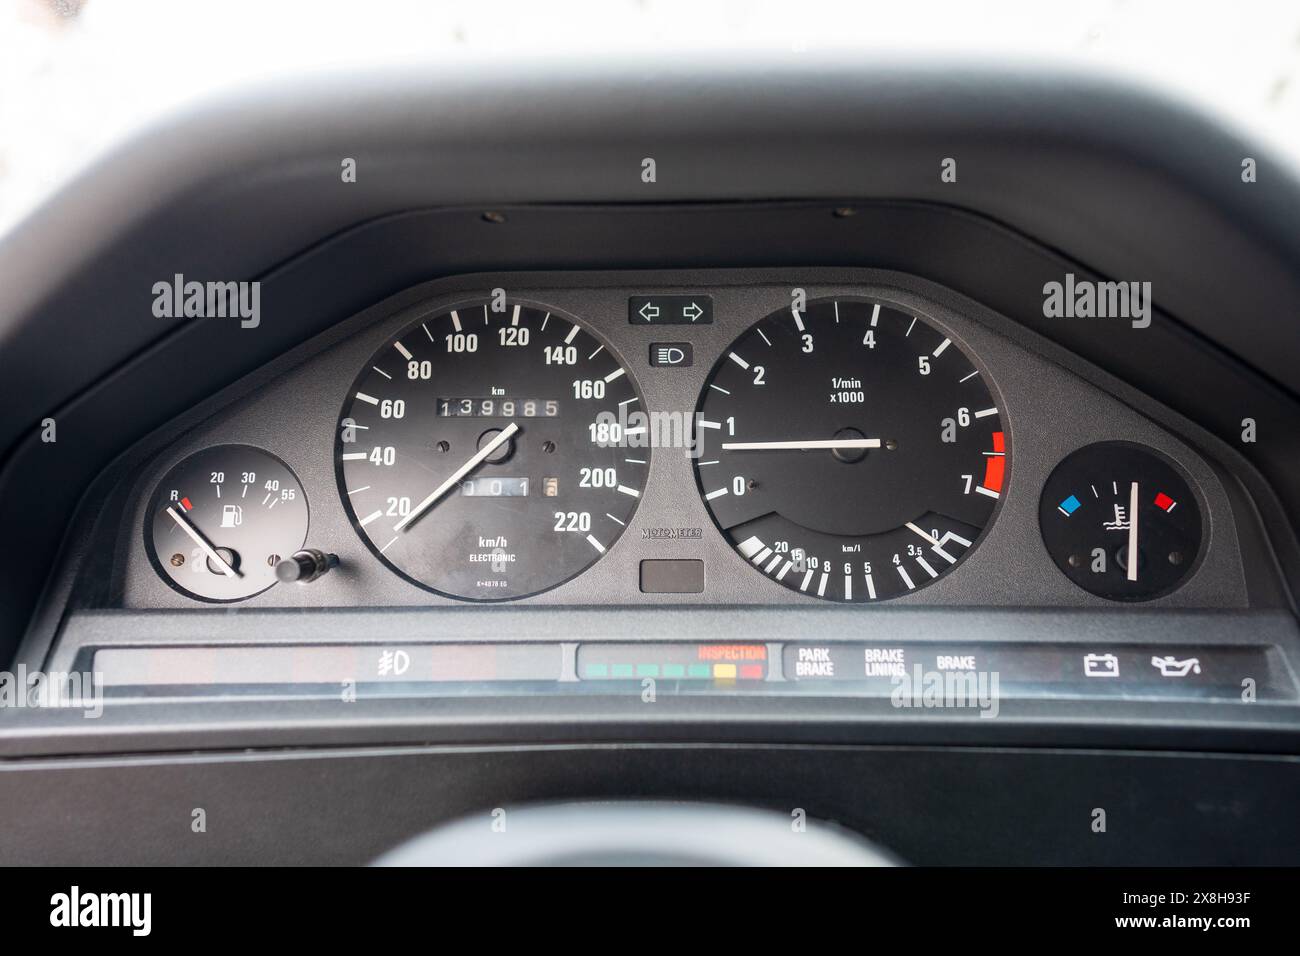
x: 850, y: 451
x: 480, y: 452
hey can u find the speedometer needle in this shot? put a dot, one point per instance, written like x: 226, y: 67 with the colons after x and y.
x: 202, y: 542
x: 831, y: 443
x: 457, y: 475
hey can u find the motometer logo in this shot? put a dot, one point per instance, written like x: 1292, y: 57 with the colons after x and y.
x: 102, y: 909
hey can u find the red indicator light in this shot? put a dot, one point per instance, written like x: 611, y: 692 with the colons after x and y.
x: 1164, y: 502
x: 751, y: 671
x: 731, y: 652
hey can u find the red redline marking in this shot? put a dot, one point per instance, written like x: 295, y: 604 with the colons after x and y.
x: 185, y: 503
x: 1164, y: 502
x: 995, y: 466
x: 994, y: 469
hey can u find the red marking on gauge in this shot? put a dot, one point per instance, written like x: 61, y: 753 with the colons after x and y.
x: 1164, y: 502
x: 185, y: 503
x: 731, y: 652
x: 995, y: 464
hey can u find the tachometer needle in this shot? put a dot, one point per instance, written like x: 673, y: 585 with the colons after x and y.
x: 202, y: 542
x: 457, y: 475
x: 1133, y: 532
x: 811, y: 445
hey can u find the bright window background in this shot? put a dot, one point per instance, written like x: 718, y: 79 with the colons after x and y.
x: 78, y: 75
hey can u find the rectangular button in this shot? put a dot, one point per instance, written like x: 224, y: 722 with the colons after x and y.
x: 671, y: 354
x: 670, y: 310
x: 672, y: 576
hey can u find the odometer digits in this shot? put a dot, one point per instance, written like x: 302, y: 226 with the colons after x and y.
x: 498, y: 408
x: 474, y: 454
x: 850, y: 451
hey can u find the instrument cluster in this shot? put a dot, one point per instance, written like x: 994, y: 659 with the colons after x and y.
x: 720, y: 442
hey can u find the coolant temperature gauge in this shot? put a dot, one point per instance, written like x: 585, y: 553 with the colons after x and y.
x: 221, y: 521
x: 1121, y: 521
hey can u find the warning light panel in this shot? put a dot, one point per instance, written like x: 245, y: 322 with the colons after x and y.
x: 676, y: 661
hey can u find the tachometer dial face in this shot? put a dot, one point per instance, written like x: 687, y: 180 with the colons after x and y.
x: 490, y: 455
x: 222, y: 519
x: 1120, y: 520
x: 850, y: 452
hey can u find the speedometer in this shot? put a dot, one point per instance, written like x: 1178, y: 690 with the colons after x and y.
x: 850, y: 451
x: 479, y: 454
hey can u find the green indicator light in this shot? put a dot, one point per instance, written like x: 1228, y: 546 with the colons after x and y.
x: 597, y: 670
x: 647, y: 670
x: 622, y: 670
x: 700, y: 670
x: 674, y: 670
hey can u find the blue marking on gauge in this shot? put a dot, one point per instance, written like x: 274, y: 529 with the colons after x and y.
x: 1069, y: 506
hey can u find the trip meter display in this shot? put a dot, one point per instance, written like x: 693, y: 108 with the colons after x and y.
x: 480, y: 452
x: 850, y: 451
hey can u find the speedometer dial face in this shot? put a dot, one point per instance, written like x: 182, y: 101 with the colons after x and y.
x: 850, y: 452
x: 480, y: 452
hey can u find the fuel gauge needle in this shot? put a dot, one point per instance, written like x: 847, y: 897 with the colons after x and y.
x: 1133, y: 532
x: 202, y: 542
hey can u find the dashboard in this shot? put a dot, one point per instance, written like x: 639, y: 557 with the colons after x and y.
x: 780, y: 439
x: 772, y: 485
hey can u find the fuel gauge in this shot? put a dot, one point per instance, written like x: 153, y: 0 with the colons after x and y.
x: 1121, y: 521
x: 221, y: 521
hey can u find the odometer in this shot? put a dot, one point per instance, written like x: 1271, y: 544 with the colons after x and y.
x: 476, y: 456
x: 850, y: 451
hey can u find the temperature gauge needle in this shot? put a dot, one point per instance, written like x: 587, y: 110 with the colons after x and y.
x: 457, y: 475
x: 1133, y: 532
x: 202, y: 542
x: 830, y: 443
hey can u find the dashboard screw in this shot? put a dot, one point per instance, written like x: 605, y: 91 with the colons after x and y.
x: 444, y: 447
x: 548, y: 447
x: 178, y: 559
